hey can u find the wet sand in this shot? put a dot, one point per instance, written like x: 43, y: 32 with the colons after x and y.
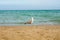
x: 37, y: 32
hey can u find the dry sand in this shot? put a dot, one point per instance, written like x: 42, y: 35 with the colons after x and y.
x: 39, y: 32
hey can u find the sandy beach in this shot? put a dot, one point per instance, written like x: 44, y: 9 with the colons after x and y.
x: 35, y: 32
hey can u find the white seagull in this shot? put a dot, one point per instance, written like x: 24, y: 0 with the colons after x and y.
x: 29, y: 22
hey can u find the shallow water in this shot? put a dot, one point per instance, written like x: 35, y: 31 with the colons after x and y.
x: 19, y: 17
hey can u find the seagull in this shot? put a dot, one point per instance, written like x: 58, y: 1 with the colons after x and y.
x: 29, y: 22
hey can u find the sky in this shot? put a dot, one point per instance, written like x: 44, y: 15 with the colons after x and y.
x: 29, y: 4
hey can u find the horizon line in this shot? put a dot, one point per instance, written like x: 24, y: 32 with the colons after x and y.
x: 29, y: 9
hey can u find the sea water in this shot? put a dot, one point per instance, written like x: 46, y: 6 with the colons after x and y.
x: 19, y: 17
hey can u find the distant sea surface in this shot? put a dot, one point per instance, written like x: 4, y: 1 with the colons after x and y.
x: 18, y: 17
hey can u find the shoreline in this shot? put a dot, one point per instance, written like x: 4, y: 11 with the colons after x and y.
x: 33, y: 25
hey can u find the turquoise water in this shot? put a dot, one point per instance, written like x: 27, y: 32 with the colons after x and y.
x: 20, y: 16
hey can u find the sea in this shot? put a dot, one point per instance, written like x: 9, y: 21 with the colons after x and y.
x: 19, y: 17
